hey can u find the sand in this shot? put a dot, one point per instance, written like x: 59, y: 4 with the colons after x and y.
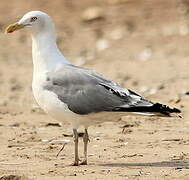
x: 143, y: 45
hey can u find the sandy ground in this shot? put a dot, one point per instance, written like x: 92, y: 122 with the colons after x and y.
x: 143, y: 45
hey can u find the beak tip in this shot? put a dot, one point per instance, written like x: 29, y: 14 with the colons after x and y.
x: 6, y: 32
x: 13, y: 27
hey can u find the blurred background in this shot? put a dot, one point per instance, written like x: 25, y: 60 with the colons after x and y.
x: 141, y: 44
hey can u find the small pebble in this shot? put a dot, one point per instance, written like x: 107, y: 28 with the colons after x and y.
x: 102, y: 44
x: 146, y: 54
x: 92, y: 13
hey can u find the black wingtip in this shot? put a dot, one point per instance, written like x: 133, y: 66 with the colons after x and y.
x: 165, y: 108
x: 176, y: 110
x: 156, y: 108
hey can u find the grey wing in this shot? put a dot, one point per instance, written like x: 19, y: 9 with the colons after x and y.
x: 85, y: 91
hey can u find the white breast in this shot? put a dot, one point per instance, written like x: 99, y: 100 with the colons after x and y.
x: 49, y: 101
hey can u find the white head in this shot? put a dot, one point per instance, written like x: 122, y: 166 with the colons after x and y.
x: 37, y: 21
x: 44, y: 47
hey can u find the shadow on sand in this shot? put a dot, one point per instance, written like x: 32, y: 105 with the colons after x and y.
x: 184, y: 164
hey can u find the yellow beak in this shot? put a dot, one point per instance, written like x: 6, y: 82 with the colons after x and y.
x: 14, y: 27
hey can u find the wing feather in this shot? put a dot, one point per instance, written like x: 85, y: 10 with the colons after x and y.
x: 85, y: 91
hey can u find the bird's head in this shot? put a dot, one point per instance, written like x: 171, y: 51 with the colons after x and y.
x: 35, y: 20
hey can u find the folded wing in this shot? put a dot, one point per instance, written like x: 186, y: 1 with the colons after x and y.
x: 85, y: 91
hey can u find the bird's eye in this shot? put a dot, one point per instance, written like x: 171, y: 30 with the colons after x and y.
x: 33, y: 19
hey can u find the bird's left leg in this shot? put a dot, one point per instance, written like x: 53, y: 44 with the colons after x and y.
x: 85, y: 140
x: 75, y: 134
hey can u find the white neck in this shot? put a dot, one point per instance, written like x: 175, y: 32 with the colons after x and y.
x: 46, y: 55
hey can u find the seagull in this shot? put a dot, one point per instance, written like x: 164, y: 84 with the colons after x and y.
x: 76, y: 94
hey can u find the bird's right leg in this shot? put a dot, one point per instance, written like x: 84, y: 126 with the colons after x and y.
x: 85, y: 140
x: 75, y: 135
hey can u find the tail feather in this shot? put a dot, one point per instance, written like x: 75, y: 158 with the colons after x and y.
x: 155, y: 108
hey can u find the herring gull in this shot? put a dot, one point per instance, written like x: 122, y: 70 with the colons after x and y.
x: 76, y: 94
